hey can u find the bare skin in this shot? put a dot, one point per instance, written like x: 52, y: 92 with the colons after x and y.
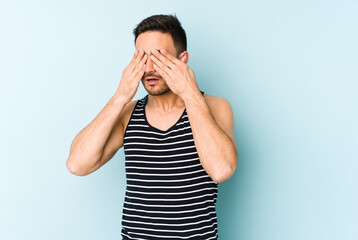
x: 211, y: 117
x: 97, y: 143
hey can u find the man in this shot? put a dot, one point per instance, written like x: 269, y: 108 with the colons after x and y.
x: 178, y: 141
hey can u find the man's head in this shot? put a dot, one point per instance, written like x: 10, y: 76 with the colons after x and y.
x: 164, y: 24
x: 160, y: 32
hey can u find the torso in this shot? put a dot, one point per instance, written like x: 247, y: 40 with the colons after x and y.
x: 168, y: 193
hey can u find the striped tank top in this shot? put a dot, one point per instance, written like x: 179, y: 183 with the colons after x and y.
x: 169, y: 195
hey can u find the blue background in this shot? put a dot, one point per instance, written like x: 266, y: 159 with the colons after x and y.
x: 288, y: 68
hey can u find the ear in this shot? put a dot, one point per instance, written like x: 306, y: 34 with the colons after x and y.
x: 184, y: 57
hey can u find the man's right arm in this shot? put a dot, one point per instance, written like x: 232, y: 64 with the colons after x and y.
x: 87, y: 149
x: 97, y: 143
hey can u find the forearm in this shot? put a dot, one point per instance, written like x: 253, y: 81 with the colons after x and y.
x: 87, y: 147
x: 216, y: 150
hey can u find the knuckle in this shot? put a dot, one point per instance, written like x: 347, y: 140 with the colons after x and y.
x: 177, y: 69
x: 136, y: 68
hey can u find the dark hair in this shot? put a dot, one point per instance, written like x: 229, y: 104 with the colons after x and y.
x: 165, y: 24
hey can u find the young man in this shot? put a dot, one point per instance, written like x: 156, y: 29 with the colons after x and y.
x: 178, y: 141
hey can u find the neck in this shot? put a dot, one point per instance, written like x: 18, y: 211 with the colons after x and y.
x: 166, y: 102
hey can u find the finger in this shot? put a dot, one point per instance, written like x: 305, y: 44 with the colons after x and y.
x: 134, y: 56
x: 171, y: 57
x: 161, y: 65
x: 163, y: 59
x: 138, y: 57
x: 161, y: 72
x: 141, y: 64
x: 139, y: 74
x: 144, y: 60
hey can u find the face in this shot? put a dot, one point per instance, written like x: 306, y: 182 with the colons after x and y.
x: 154, y: 40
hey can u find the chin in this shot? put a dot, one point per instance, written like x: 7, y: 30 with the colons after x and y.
x: 156, y: 90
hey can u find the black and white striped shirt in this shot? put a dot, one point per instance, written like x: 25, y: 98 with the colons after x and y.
x: 169, y: 195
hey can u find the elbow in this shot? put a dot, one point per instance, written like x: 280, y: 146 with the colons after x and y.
x: 225, y: 173
x: 219, y: 179
x: 74, y: 168
x: 223, y: 176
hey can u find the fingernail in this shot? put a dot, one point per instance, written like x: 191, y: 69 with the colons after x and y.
x: 155, y: 51
x: 155, y: 66
x: 163, y: 51
x: 153, y: 58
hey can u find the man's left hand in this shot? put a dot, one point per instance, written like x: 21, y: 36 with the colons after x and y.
x: 178, y: 76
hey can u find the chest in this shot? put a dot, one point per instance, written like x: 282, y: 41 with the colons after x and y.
x: 163, y: 121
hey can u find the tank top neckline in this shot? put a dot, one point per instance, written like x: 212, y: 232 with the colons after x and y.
x: 157, y: 129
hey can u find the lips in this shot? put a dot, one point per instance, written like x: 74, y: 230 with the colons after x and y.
x: 151, y: 79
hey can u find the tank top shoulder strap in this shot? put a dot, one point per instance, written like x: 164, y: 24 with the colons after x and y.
x: 141, y: 101
x: 137, y: 112
x: 139, y: 104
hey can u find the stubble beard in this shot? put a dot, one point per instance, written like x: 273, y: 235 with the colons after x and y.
x: 158, y: 89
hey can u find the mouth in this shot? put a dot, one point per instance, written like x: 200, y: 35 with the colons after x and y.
x: 152, y: 80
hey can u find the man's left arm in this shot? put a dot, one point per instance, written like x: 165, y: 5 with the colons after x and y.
x: 213, y: 135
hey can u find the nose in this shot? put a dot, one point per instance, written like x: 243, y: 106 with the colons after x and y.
x: 149, y: 64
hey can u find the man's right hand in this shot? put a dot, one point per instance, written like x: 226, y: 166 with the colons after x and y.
x: 131, y: 76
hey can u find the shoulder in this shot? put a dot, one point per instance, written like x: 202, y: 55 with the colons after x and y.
x: 222, y: 113
x: 218, y: 105
x: 126, y: 113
